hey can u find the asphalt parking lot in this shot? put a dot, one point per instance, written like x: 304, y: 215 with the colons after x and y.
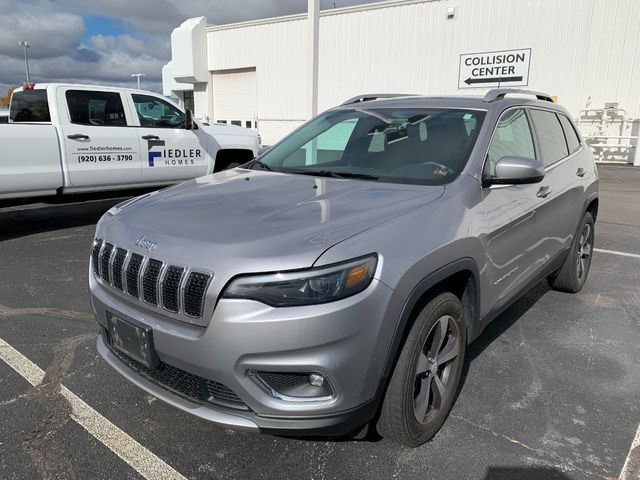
x: 552, y: 387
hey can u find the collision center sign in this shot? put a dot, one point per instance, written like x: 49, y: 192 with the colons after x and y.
x: 494, y: 69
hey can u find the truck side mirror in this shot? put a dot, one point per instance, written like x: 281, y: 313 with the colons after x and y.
x: 188, y: 121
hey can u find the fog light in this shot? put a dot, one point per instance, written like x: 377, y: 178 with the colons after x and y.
x: 316, y: 380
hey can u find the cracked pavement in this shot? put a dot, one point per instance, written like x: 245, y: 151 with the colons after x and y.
x: 551, y: 388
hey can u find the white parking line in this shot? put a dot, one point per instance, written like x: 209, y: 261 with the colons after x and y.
x: 614, y: 252
x: 143, y: 461
x: 628, y: 471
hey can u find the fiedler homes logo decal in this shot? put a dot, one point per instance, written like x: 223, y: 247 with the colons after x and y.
x: 171, y: 156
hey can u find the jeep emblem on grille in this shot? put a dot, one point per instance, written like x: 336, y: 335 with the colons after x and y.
x: 147, y: 244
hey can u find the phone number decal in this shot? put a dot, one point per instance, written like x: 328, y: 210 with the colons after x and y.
x: 104, y: 158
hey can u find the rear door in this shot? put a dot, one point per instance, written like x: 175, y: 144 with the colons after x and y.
x: 170, y: 151
x: 564, y: 202
x: 29, y: 154
x: 100, y: 146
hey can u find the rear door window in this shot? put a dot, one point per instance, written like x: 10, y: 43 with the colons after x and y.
x: 553, y: 146
x: 511, y: 138
x: 99, y: 109
x: 30, y: 106
x: 570, y: 134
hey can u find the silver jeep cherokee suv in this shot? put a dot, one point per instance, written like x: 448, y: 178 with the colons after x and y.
x: 336, y: 281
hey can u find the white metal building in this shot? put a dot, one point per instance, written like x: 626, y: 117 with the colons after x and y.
x: 256, y: 74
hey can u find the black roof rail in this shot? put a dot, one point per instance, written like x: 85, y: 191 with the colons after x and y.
x: 499, y: 93
x: 375, y: 96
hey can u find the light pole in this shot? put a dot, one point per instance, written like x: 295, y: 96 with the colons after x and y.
x: 25, y: 45
x: 138, y: 75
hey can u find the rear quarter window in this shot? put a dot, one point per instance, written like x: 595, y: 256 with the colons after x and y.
x: 29, y: 106
x: 573, y: 142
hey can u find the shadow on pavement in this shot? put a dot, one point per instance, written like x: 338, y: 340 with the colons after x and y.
x: 525, y: 473
x: 20, y: 218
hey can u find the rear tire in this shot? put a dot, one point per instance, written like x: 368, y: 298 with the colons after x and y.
x: 425, y: 380
x: 573, y: 274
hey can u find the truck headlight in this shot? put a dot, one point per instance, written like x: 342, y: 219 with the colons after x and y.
x: 306, y: 287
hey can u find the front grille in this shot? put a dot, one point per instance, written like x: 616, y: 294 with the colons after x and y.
x: 194, y: 293
x: 150, y: 281
x: 133, y: 270
x: 116, y: 269
x: 192, y: 387
x: 105, y: 259
x: 171, y: 288
x: 176, y: 289
x: 95, y: 255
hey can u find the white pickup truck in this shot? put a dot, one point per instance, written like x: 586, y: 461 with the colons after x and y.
x: 77, y: 138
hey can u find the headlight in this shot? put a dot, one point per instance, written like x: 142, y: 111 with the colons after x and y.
x: 306, y: 287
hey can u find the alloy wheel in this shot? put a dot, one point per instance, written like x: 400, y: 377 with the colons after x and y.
x: 434, y: 378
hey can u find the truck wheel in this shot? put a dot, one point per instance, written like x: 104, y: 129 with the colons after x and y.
x: 573, y: 274
x: 425, y: 381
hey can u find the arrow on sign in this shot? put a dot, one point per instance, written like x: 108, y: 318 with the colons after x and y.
x: 470, y: 80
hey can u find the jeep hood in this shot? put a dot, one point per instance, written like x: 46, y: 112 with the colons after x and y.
x: 249, y: 221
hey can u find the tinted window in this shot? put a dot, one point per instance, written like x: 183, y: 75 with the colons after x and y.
x: 30, y: 106
x: 424, y: 146
x: 99, y: 109
x: 511, y: 138
x: 570, y: 134
x: 156, y: 113
x: 553, y: 146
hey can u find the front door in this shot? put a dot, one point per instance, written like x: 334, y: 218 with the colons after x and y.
x: 516, y: 235
x: 100, y: 147
x: 170, y: 151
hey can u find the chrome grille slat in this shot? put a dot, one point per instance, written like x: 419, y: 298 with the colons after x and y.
x: 95, y: 255
x: 194, y: 291
x: 173, y: 288
x: 171, y: 282
x: 116, y: 268
x: 105, y: 260
x: 150, y: 277
x: 133, y: 272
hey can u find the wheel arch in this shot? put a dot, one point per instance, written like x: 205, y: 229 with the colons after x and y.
x: 461, y: 278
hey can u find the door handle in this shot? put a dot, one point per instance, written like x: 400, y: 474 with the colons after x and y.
x: 150, y: 137
x: 544, y: 191
x: 581, y: 172
x: 78, y: 136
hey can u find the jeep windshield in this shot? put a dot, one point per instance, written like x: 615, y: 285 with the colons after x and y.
x: 421, y: 146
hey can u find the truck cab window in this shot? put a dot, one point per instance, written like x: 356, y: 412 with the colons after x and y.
x: 29, y: 106
x: 156, y: 113
x: 100, y: 109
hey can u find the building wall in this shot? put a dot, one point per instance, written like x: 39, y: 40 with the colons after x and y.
x: 579, y: 49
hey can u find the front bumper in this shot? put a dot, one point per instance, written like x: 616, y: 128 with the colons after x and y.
x: 346, y: 341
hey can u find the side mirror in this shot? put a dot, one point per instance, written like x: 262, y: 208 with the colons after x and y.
x: 517, y: 171
x: 189, y: 124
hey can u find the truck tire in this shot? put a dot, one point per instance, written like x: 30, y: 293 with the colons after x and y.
x: 573, y: 274
x: 425, y: 380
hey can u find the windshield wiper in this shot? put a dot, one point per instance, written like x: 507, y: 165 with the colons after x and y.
x: 329, y: 173
x: 262, y: 164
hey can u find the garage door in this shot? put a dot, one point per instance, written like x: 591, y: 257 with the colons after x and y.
x: 234, y: 97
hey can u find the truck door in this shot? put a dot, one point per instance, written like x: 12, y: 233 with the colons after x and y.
x: 170, y: 151
x: 100, y: 147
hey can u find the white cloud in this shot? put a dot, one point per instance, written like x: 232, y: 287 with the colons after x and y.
x: 55, y: 30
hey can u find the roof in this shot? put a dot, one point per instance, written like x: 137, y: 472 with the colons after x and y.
x: 473, y: 102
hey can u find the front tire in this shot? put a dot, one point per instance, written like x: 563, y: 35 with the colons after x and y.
x: 425, y: 380
x: 573, y: 274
